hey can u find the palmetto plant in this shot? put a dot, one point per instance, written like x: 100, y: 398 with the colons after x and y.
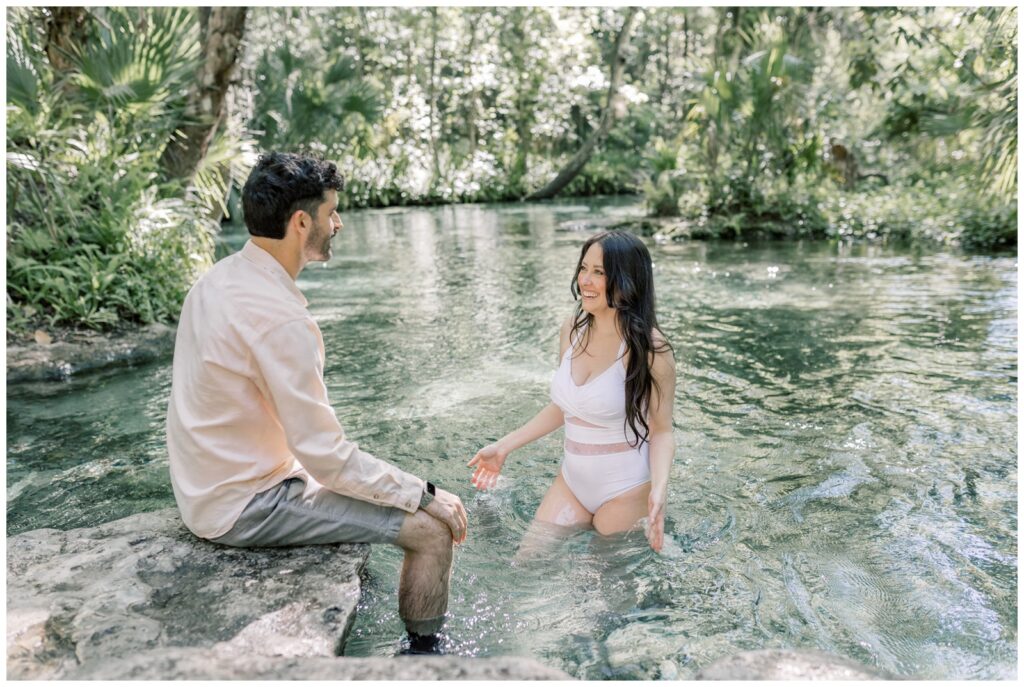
x: 998, y: 121
x: 137, y: 64
x: 84, y: 208
x: 297, y: 102
x: 746, y: 101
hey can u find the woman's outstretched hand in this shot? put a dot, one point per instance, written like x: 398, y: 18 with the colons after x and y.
x: 488, y: 462
x: 656, y: 518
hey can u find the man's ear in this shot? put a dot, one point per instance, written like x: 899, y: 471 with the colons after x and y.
x: 299, y: 221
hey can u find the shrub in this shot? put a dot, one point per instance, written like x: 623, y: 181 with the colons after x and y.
x: 93, y: 238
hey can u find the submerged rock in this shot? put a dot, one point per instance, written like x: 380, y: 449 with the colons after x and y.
x: 94, y: 596
x: 786, y: 664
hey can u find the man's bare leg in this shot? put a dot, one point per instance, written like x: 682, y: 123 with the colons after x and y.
x: 426, y: 573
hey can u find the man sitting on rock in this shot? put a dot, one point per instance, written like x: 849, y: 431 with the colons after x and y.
x: 257, y: 456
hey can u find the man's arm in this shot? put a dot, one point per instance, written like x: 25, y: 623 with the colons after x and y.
x: 290, y: 360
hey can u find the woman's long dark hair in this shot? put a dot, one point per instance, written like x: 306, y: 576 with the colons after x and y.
x: 629, y: 287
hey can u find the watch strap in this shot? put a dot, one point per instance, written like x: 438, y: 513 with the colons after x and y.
x: 428, y: 494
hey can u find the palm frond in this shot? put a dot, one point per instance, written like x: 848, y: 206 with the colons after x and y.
x: 361, y: 98
x: 22, y: 86
x: 136, y: 64
x: 343, y: 69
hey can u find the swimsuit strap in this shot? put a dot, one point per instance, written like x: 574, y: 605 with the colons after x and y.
x: 579, y: 335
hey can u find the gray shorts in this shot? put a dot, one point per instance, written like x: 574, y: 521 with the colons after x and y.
x: 301, y: 511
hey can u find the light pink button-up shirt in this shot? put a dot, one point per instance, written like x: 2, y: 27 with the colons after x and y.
x: 248, y: 405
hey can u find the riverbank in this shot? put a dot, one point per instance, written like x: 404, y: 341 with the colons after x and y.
x: 59, y: 355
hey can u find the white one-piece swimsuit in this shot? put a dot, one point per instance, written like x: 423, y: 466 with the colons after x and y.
x: 601, y: 460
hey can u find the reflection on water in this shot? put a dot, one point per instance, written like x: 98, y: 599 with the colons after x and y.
x: 846, y: 421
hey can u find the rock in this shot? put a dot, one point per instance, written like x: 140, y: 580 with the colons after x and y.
x: 636, y: 650
x: 83, y: 351
x: 94, y: 596
x: 185, y: 664
x: 786, y: 664
x: 142, y: 598
x: 661, y: 229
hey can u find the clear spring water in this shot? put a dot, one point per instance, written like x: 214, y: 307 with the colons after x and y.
x: 846, y: 422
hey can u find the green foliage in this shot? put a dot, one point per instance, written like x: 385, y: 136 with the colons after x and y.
x: 667, y: 180
x: 955, y: 216
x: 819, y: 209
x: 92, y: 239
x: 607, y: 172
x: 958, y: 84
x: 982, y: 228
x: 136, y: 65
x: 308, y: 95
x: 802, y: 127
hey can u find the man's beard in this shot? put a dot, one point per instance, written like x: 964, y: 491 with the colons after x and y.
x: 318, y: 244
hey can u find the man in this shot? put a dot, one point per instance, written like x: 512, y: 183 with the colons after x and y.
x: 257, y: 456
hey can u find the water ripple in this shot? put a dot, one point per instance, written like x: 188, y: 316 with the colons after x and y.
x: 846, y: 423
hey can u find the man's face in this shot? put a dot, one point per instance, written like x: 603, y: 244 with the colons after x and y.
x: 326, y: 224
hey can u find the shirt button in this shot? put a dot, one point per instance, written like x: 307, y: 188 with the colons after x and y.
x: 376, y: 497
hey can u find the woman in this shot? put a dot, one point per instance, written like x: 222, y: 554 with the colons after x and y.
x: 613, y: 391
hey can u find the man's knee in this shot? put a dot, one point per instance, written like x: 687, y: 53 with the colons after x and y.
x: 423, y: 533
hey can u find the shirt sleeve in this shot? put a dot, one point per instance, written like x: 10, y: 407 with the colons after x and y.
x: 290, y: 360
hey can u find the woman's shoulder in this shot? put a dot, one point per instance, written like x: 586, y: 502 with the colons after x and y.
x: 564, y: 332
x: 660, y: 341
x: 661, y: 353
x: 567, y: 324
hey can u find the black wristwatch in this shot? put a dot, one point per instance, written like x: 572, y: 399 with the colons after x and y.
x: 428, y: 495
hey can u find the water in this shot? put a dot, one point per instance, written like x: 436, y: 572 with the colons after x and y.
x: 845, y: 419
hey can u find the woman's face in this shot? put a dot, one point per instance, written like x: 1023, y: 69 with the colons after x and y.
x: 591, y: 281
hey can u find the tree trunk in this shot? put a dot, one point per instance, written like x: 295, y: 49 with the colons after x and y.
x: 579, y: 160
x: 471, y: 106
x: 666, y: 52
x: 66, y: 28
x: 360, y: 40
x: 686, y: 37
x: 432, y: 97
x: 221, y: 31
x: 516, y: 34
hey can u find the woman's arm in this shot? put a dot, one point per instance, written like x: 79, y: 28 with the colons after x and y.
x: 663, y: 443
x: 490, y: 459
x: 543, y: 423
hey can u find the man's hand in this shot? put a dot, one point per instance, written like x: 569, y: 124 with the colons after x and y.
x: 447, y: 507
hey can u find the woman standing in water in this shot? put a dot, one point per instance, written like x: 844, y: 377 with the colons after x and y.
x: 613, y: 391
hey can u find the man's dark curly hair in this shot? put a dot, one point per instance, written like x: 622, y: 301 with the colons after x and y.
x: 282, y: 183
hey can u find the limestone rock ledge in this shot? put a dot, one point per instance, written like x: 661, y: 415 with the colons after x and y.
x: 145, y: 582
x: 142, y: 598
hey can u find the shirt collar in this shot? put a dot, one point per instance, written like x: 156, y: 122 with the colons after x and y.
x: 267, y: 262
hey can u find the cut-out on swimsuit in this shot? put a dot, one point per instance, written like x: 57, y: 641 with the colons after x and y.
x: 601, y: 461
